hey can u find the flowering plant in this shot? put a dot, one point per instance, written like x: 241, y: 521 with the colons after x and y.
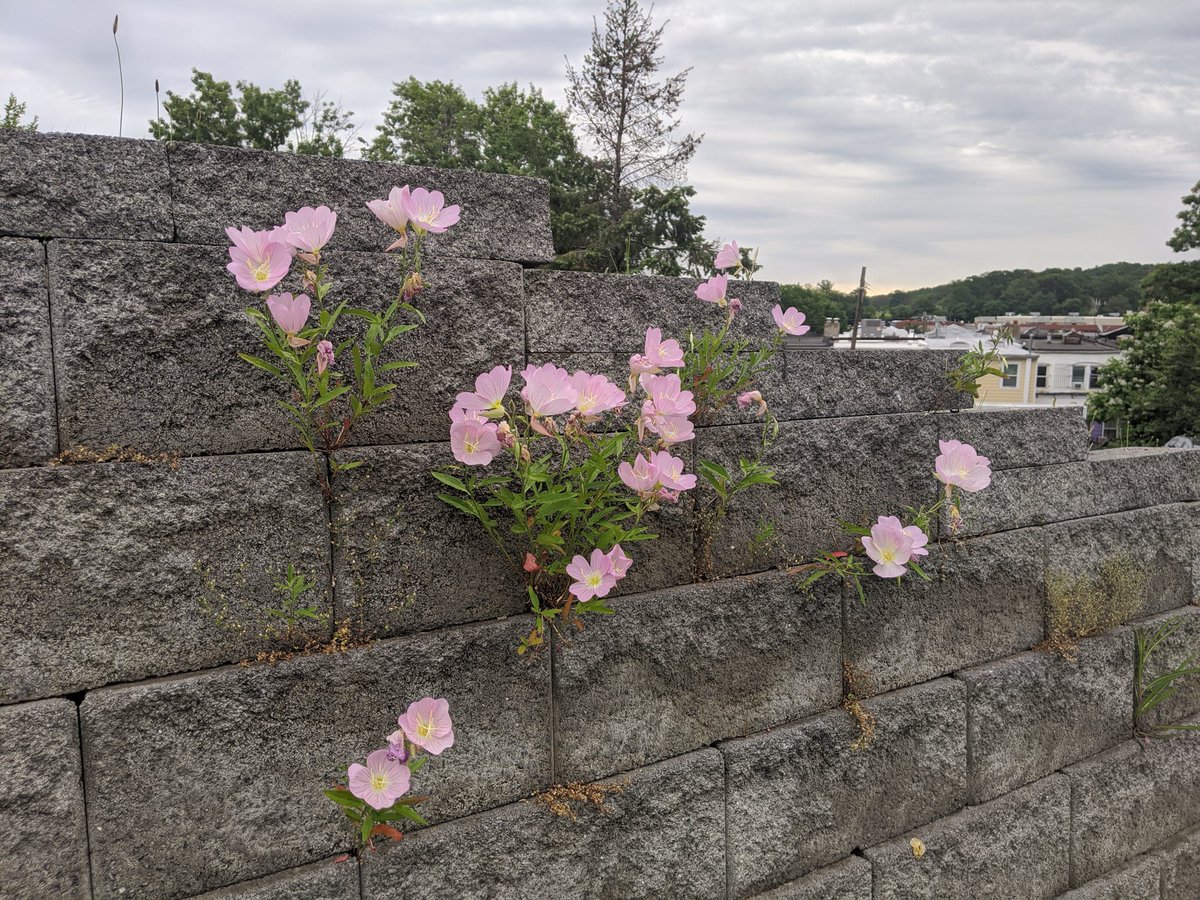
x: 894, y: 547
x: 376, y: 795
x: 579, y: 480
x: 325, y: 401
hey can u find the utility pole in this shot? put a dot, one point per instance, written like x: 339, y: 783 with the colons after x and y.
x: 858, y: 305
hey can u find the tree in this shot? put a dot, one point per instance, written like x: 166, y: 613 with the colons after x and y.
x: 1187, y: 235
x: 265, y: 119
x: 13, y: 113
x: 625, y: 110
x: 1153, y: 390
x: 429, y: 124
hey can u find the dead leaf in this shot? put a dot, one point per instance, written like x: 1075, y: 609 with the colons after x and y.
x: 918, y: 847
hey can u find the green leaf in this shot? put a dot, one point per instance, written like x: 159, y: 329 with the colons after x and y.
x: 331, y: 396
x: 451, y: 481
x: 400, y: 811
x: 343, y: 798
x: 262, y: 364
x: 392, y: 366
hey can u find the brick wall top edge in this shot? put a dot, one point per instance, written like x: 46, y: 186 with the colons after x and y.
x: 503, y: 216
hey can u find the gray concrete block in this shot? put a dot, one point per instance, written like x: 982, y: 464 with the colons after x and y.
x: 663, y: 836
x: 404, y: 561
x: 1136, y: 880
x: 1180, y: 859
x: 586, y: 311
x: 83, y: 186
x: 503, y: 217
x: 330, y: 879
x: 801, y: 798
x: 1031, y: 714
x: 244, y: 754
x: 43, y: 832
x: 147, y: 336
x: 675, y: 670
x: 28, y: 427
x: 1130, y: 798
x: 1107, y: 482
x: 883, y: 464
x: 849, y: 879
x: 1013, y: 848
x: 1145, y: 543
x: 1173, y: 652
x: 106, y: 565
x: 1011, y: 438
x: 984, y: 600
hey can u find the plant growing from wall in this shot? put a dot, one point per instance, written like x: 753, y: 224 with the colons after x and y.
x: 375, y: 798
x: 578, y: 485
x: 324, y: 400
x: 1081, y: 606
x: 1149, y: 693
x: 972, y: 367
x: 894, y: 547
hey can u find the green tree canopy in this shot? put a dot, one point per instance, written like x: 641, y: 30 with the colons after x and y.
x: 1187, y: 235
x: 429, y: 124
x: 14, y: 111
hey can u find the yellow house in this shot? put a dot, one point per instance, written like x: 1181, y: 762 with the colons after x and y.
x: 1018, y: 384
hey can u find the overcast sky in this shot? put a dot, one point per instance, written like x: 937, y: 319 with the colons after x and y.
x: 927, y: 141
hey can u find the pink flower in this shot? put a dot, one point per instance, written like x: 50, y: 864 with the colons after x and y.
x: 889, y: 546
x: 425, y: 211
x: 381, y: 782
x: 596, y: 394
x: 279, y: 236
x: 730, y: 257
x: 397, y: 749
x: 619, y: 561
x: 919, y: 539
x: 474, y: 443
x: 548, y: 390
x: 744, y: 400
x: 641, y: 477
x: 735, y: 307
x: 593, y: 578
x: 664, y: 354
x: 258, y: 262
x: 391, y: 212
x: 713, y: 290
x: 790, y: 322
x: 667, y: 396
x: 531, y: 563
x: 290, y: 314
x: 309, y: 229
x: 670, y: 472
x: 426, y: 724
x: 959, y: 465
x: 672, y: 429
x: 324, y: 356
x: 458, y: 414
x: 490, y: 388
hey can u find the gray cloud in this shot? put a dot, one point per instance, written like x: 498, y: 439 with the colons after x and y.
x: 926, y: 140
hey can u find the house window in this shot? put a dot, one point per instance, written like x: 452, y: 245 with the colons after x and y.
x: 1094, y: 377
x: 1078, y: 374
x: 1042, y: 372
x: 1010, y: 375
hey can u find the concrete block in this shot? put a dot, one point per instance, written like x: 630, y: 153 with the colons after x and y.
x: 1180, y: 860
x: 1011, y: 438
x: 1013, y: 848
x: 800, y: 798
x: 884, y: 463
x: 1146, y: 544
x: 662, y: 836
x: 147, y: 336
x: 244, y: 754
x: 43, y: 831
x: 849, y: 879
x: 404, y: 561
x: 1137, y: 879
x: 1036, y: 712
x: 503, y: 217
x: 1173, y: 652
x: 106, y: 565
x: 83, y: 186
x: 327, y: 880
x: 28, y: 427
x: 586, y: 311
x: 675, y: 670
x: 1146, y: 476
x: 1128, y: 799
x: 984, y: 599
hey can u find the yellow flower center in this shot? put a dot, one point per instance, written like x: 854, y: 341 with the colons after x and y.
x: 262, y: 271
x: 424, y: 729
x: 887, y: 553
x: 470, y: 446
x: 592, y: 579
x: 379, y: 781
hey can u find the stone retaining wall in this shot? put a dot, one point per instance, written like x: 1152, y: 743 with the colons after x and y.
x: 142, y: 760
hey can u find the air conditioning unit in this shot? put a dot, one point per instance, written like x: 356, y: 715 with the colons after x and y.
x: 1076, y: 385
